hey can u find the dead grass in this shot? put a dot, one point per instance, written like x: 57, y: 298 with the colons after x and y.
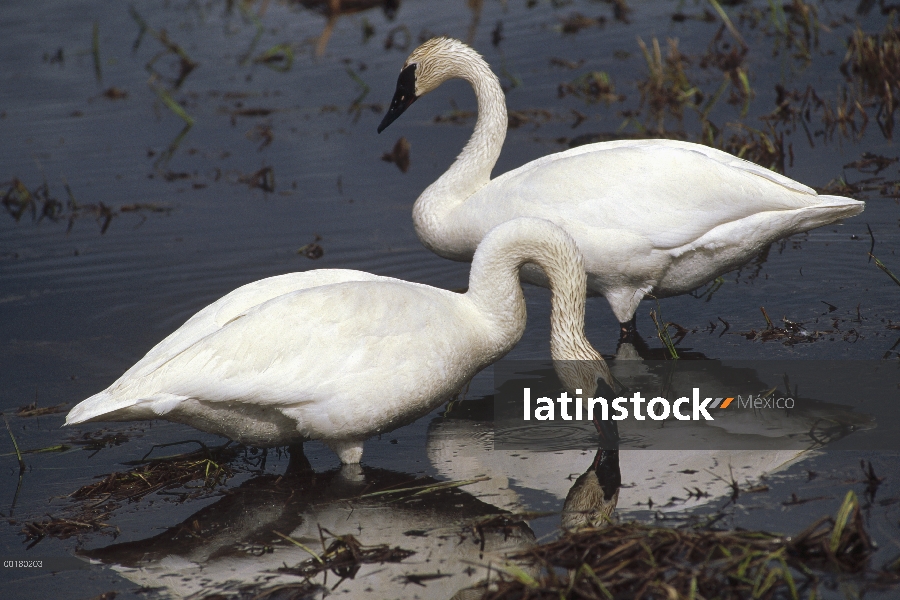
x: 19, y: 200
x: 792, y: 333
x: 667, y: 90
x: 633, y: 560
x: 872, y: 65
x: 343, y: 556
x: 94, y: 504
x: 32, y: 410
x: 399, y: 155
x: 594, y: 86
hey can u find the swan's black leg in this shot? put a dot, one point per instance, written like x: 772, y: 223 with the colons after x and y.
x: 298, y: 463
x: 628, y: 330
x: 628, y: 334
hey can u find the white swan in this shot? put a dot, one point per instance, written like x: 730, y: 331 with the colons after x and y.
x: 657, y: 217
x: 340, y: 356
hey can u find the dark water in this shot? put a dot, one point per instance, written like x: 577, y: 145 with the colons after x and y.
x: 80, y: 304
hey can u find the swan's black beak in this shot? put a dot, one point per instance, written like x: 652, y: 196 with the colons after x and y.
x: 606, y: 466
x: 403, y: 97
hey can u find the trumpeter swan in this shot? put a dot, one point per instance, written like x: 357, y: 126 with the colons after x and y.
x: 657, y: 217
x: 340, y: 356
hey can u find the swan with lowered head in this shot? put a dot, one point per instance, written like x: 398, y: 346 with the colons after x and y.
x: 340, y: 356
x: 658, y: 217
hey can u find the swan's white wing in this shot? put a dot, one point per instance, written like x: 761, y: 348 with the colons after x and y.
x: 670, y: 193
x: 661, y: 146
x: 226, y: 308
x: 343, y: 357
x: 205, y: 322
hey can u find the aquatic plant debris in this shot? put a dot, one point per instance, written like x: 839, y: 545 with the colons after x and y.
x: 94, y: 504
x: 881, y: 266
x: 32, y: 410
x: 875, y: 61
x: 594, y: 86
x: 160, y: 474
x: 185, y: 63
x: 19, y: 200
x: 399, y: 155
x: 343, y: 556
x: 635, y: 560
x: 15, y: 445
x: 312, y: 250
x: 263, y: 179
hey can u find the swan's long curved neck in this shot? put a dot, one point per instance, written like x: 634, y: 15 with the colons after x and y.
x: 472, y: 168
x: 495, y: 289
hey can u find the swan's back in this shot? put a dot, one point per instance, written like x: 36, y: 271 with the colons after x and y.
x: 669, y: 193
x: 216, y: 315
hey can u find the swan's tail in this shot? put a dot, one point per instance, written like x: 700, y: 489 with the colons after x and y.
x: 827, y: 210
x: 105, y: 406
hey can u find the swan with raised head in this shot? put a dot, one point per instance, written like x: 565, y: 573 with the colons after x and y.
x: 658, y: 217
x: 340, y: 356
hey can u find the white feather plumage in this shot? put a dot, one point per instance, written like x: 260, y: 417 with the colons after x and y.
x: 649, y: 216
x: 343, y: 355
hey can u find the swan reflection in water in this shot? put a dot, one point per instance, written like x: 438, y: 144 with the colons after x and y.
x: 658, y: 479
x: 231, y: 546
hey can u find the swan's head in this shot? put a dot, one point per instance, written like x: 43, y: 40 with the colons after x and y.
x: 429, y: 65
x: 591, y: 501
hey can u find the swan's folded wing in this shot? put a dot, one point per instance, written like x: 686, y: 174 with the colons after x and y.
x: 213, y: 317
x: 670, y: 193
x: 323, y: 345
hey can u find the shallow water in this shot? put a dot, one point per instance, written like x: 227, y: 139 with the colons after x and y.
x: 78, y: 306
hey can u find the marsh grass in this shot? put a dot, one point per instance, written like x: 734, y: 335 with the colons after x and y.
x: 32, y: 410
x: 594, y: 86
x: 186, y: 65
x: 872, y: 66
x: 881, y: 266
x: 667, y: 89
x: 15, y: 446
x: 662, y: 331
x: 634, y: 560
